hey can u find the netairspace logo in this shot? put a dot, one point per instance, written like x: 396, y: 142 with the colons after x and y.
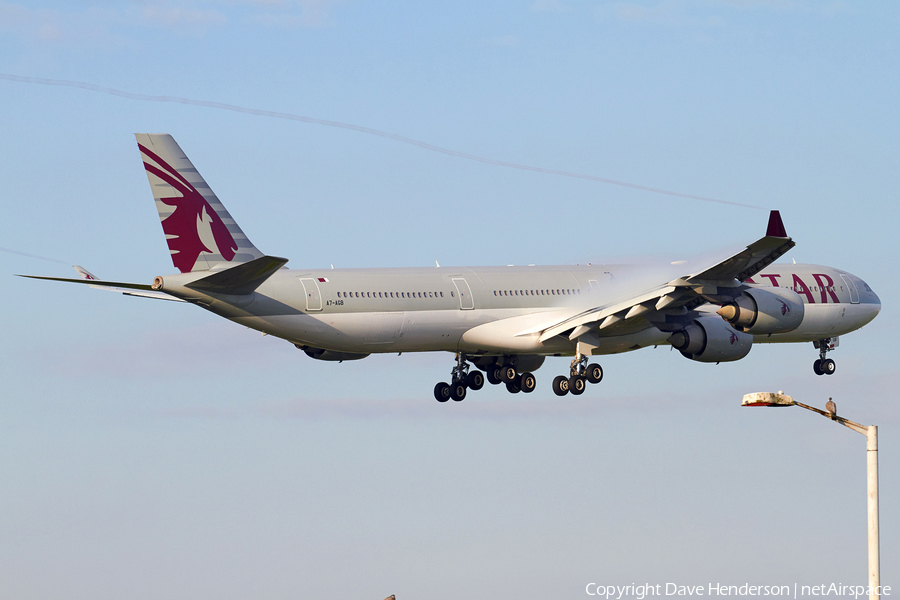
x: 640, y: 592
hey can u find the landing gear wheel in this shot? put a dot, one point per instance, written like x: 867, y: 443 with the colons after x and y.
x: 513, y: 386
x: 527, y: 383
x: 442, y: 392
x: 493, y: 376
x: 577, y: 384
x: 458, y: 392
x: 508, y: 373
x: 594, y: 373
x: 475, y: 381
x: 824, y: 366
x: 561, y: 385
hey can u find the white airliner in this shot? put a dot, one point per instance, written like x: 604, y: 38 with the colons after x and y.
x: 503, y: 320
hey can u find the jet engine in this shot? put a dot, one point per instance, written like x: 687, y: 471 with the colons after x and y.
x: 761, y: 311
x: 330, y: 355
x: 708, y: 339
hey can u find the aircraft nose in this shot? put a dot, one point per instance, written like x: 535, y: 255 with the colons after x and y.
x: 876, y: 303
x: 870, y: 299
x: 873, y: 297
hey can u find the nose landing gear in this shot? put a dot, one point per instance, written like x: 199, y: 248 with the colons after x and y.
x: 580, y: 373
x: 824, y: 366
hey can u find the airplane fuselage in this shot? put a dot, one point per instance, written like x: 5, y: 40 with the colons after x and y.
x: 498, y: 310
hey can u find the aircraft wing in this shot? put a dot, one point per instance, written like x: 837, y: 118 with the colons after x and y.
x: 715, y: 283
x: 754, y: 258
x: 129, y: 289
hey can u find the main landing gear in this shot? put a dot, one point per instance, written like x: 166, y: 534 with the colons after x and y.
x: 824, y: 366
x: 580, y: 373
x: 463, y: 379
x: 460, y: 380
x: 508, y: 374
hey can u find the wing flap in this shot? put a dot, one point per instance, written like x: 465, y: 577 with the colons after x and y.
x: 601, y: 313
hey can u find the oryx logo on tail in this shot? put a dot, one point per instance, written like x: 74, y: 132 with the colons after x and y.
x: 194, y: 227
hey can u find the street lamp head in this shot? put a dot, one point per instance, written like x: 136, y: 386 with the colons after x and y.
x: 767, y: 399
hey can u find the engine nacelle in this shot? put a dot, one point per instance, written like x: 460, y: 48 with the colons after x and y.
x: 762, y: 311
x: 709, y: 339
x: 330, y: 355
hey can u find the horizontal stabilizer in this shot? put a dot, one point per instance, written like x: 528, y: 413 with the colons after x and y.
x: 240, y: 280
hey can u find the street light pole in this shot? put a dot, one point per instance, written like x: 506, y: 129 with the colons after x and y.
x: 872, y: 484
x: 871, y: 433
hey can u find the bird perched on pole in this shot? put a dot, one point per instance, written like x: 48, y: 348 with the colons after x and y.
x: 831, y: 408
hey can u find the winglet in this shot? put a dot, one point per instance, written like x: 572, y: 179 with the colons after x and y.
x: 776, y: 227
x: 85, y: 274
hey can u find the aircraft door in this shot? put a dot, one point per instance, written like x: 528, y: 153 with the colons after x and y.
x: 466, y: 302
x: 313, y: 297
x: 854, y: 295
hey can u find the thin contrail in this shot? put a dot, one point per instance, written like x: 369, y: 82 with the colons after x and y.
x: 359, y: 128
x: 33, y: 256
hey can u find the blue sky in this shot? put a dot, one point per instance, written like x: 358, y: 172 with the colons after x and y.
x: 148, y: 449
